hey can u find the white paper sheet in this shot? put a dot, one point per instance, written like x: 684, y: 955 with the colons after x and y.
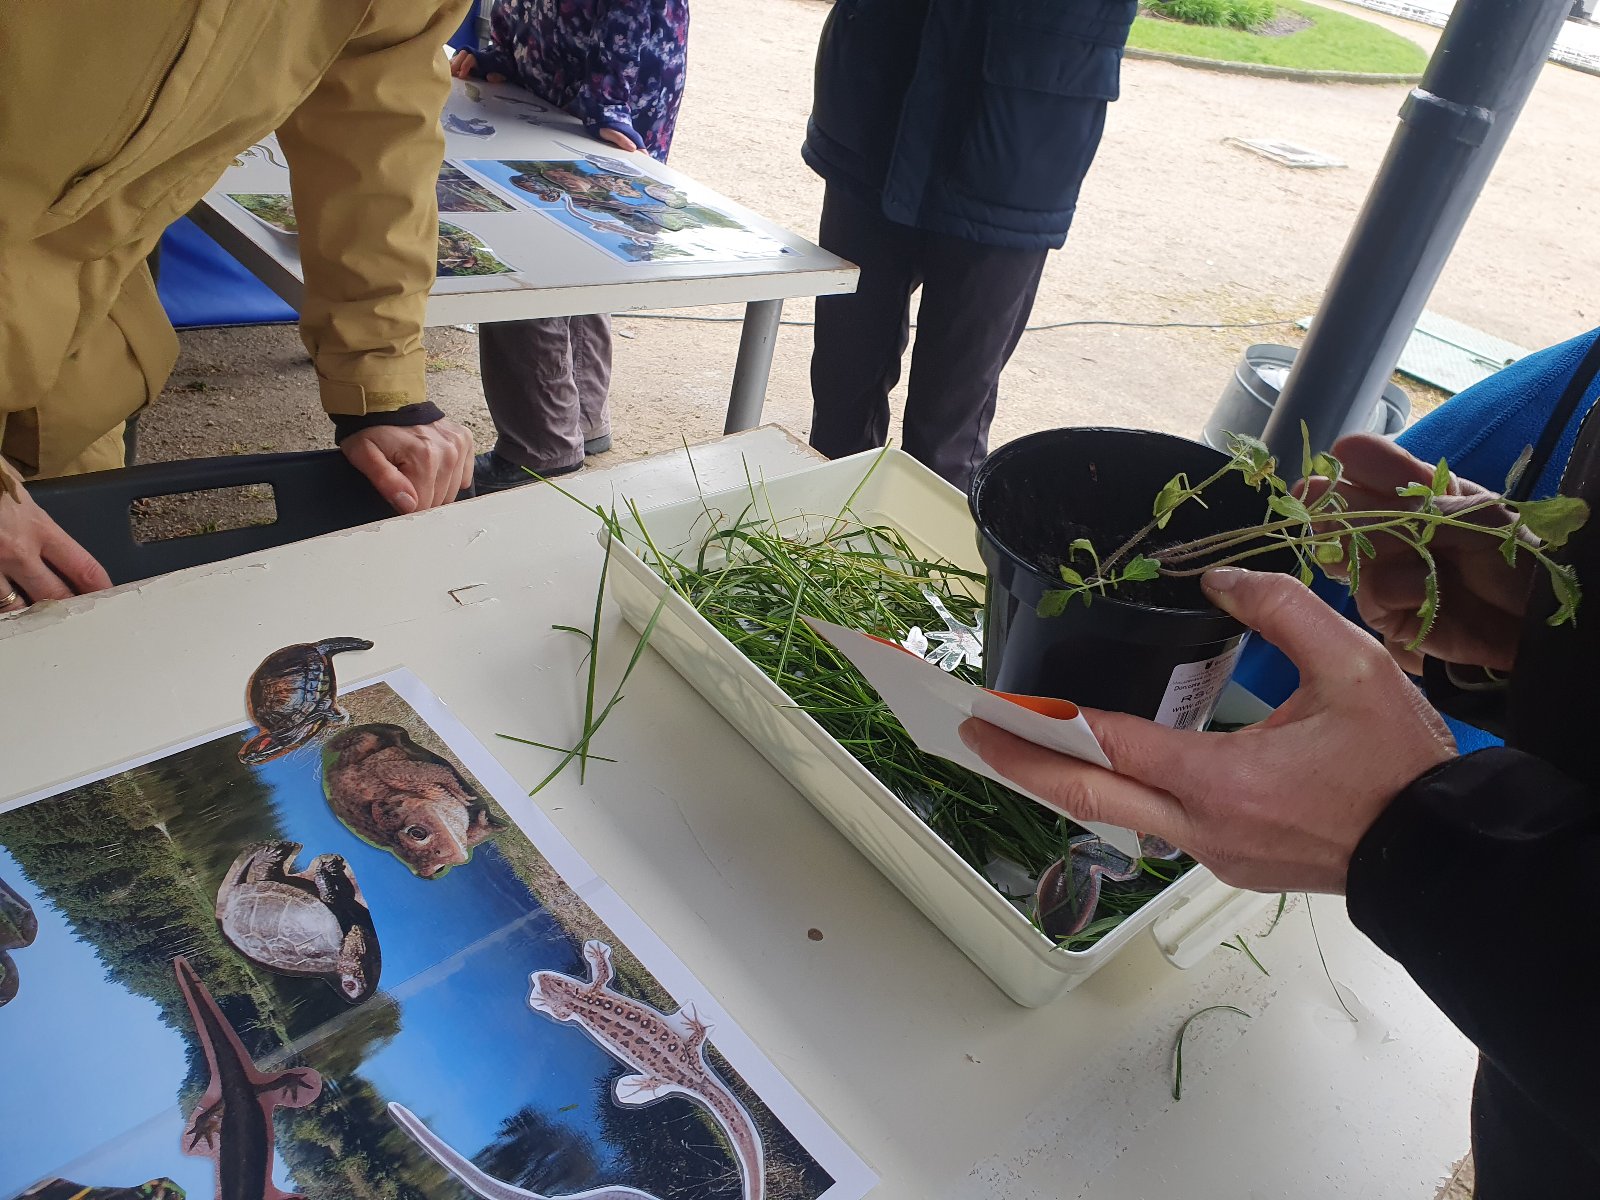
x: 932, y: 704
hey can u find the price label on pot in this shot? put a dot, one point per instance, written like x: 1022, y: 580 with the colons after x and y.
x: 1194, y: 689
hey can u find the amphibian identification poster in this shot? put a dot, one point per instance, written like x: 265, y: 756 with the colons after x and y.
x: 315, y: 955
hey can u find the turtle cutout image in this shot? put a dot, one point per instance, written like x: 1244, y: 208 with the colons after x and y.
x: 313, y: 924
x: 18, y: 928
x: 293, y: 696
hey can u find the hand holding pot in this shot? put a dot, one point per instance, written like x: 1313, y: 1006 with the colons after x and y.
x: 1482, y: 598
x: 1277, y: 807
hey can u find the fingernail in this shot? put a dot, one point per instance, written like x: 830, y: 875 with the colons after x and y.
x: 1223, y: 579
x: 969, y: 733
x: 405, y: 504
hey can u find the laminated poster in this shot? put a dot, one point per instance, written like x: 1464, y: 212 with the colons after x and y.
x: 335, y: 952
x: 628, y: 215
x: 273, y: 209
x: 463, y: 253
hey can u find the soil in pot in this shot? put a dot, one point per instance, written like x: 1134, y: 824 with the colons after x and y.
x: 1157, y: 649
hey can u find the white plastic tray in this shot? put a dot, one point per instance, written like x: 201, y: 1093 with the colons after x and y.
x: 1189, y: 919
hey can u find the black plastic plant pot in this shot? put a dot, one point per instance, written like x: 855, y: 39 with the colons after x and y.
x: 1156, y: 649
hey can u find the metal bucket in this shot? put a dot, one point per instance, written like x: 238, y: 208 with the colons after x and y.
x: 1252, y: 393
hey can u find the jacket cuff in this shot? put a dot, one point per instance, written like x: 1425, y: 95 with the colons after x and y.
x: 344, y: 424
x: 1417, y: 858
x: 615, y: 116
x: 342, y: 397
x: 491, y: 62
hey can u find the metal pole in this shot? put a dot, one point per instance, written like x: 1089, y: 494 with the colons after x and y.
x: 757, y: 341
x: 1452, y: 128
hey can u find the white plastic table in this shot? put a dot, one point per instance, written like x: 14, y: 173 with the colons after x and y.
x: 947, y: 1088
x: 559, y: 274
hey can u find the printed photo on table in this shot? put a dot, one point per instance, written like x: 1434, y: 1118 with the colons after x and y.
x: 459, y: 192
x: 462, y: 252
x: 631, y: 217
x: 315, y: 952
x: 272, y: 209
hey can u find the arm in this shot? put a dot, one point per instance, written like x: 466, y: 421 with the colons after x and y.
x: 1479, y: 879
x: 364, y: 150
x: 605, y: 99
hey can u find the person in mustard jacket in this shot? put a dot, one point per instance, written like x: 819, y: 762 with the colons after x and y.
x: 105, y: 140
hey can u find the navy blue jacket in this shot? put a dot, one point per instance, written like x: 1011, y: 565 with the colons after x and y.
x: 973, y: 118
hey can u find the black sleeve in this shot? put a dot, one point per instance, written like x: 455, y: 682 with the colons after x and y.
x: 344, y: 424
x: 1483, y: 880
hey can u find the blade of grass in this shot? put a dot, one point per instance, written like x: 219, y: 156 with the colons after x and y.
x: 1337, y: 995
x: 1248, y: 953
x: 547, y: 746
x: 1283, y: 900
x: 1177, y: 1045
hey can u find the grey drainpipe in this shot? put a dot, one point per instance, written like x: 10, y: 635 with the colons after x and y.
x: 1452, y: 128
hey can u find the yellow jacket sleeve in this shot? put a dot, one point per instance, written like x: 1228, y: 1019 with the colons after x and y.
x: 364, y: 150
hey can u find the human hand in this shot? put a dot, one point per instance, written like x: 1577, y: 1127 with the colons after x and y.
x: 463, y: 63
x: 38, y: 561
x: 413, y: 466
x: 1482, y: 597
x: 1279, y: 806
x: 618, y: 139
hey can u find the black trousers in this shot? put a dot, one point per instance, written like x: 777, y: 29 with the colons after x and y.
x: 975, y: 303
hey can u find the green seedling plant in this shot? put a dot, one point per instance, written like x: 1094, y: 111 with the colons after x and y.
x: 1324, y: 533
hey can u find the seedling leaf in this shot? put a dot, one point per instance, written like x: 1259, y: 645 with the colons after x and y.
x: 1290, y: 506
x: 1441, y: 479
x: 1564, y: 581
x: 1053, y: 604
x: 1554, y: 520
x: 1518, y: 468
x: 1173, y: 493
x: 1141, y: 567
x: 1068, y: 575
x: 1428, y: 612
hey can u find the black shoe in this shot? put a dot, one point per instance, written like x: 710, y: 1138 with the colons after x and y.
x: 491, y: 473
x: 597, y: 445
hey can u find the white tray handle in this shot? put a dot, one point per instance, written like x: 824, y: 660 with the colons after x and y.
x: 1198, y: 924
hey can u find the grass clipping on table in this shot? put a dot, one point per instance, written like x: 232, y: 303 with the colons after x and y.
x: 754, y: 577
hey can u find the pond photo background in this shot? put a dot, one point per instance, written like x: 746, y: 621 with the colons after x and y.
x: 634, y: 218
x: 102, y: 1066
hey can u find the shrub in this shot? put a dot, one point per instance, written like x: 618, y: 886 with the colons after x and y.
x: 1237, y: 14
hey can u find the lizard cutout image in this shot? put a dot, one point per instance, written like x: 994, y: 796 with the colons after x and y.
x: 232, y: 1124
x: 666, y: 1052
x: 488, y: 1187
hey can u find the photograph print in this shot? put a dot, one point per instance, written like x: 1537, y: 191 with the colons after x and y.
x: 315, y: 956
x: 631, y: 217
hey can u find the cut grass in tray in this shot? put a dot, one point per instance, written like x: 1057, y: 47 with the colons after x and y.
x: 1334, y: 42
x: 753, y: 580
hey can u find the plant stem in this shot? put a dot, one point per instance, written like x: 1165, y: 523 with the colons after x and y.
x: 1123, y: 550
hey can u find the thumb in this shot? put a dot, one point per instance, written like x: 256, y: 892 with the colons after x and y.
x: 1292, y: 617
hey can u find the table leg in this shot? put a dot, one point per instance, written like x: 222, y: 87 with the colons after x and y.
x: 754, y: 366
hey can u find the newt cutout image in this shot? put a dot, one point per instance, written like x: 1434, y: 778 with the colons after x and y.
x: 205, y: 982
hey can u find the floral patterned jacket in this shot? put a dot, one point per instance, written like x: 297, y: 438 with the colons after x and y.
x: 617, y: 64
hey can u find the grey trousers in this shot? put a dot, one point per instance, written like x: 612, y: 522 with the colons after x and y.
x: 546, y: 382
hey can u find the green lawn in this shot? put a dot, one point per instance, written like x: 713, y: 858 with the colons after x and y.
x: 1335, y: 43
